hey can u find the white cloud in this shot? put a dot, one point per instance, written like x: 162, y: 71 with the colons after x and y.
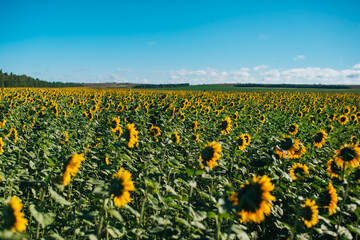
x: 356, y: 66
x: 123, y: 70
x: 260, y: 67
x: 299, y: 57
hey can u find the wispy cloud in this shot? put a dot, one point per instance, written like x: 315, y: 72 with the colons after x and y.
x: 299, y: 57
x: 260, y: 67
x: 123, y: 70
x: 356, y: 66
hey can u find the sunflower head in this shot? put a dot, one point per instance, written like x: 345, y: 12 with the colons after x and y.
x: 154, y: 131
x: 247, y: 138
x: 348, y: 154
x: 320, y: 138
x: 14, y: 217
x: 131, y: 135
x: 299, y: 171
x: 252, y: 201
x: 309, y: 213
x: 115, y: 123
x: 241, y: 142
x: 120, y: 187
x: 328, y: 199
x: 343, y: 119
x: 293, y: 129
x: 210, y: 154
x: 175, y: 137
x: 225, y: 126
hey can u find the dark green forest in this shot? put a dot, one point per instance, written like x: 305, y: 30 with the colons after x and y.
x: 13, y: 80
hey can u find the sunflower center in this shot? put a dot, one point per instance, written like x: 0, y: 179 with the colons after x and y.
x: 292, y: 128
x: 250, y: 197
x: 10, y: 218
x: 207, y: 154
x: 224, y: 125
x: 286, y: 144
x: 307, y: 213
x: 343, y: 119
x: 240, y: 141
x: 117, y: 187
x: 347, y: 154
x: 325, y: 199
x: 299, y: 172
x: 113, y: 124
x: 318, y: 137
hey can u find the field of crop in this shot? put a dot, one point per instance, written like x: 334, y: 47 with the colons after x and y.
x: 84, y: 163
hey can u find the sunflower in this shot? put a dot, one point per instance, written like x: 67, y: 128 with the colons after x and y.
x: 241, y: 142
x: 182, y: 117
x: 252, y: 201
x: 247, y: 138
x: 328, y: 199
x: 332, y: 117
x: 287, y: 147
x: 346, y: 110
x: 194, y: 126
x: 115, y: 124
x: 343, y: 119
x: 320, y: 138
x: 329, y: 129
x: 131, y: 135
x: 118, y: 132
x: 107, y: 159
x: 299, y: 171
x: 154, y: 131
x: 1, y: 145
x: 72, y: 167
x: 120, y: 187
x: 293, y: 129
x: 225, y: 126
x: 309, y: 213
x: 333, y: 169
x: 300, y: 114
x: 298, y: 151
x: 353, y: 117
x: 175, y: 137
x: 262, y: 118
x: 210, y: 154
x: 355, y: 140
x: 14, y: 218
x: 195, y: 137
x: 349, y: 154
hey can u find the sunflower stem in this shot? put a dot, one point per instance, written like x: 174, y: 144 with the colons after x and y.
x: 342, y: 202
x: 143, y: 209
x: 218, y: 227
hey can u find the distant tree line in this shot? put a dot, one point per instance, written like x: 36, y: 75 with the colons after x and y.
x: 293, y: 86
x: 162, y: 85
x: 13, y: 80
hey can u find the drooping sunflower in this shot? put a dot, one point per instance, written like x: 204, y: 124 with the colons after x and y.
x: 332, y: 117
x: 210, y: 154
x: 333, y: 169
x: 131, y: 135
x: 175, y: 137
x: 343, y: 119
x: 225, y: 126
x: 293, y: 128
x: 241, y: 142
x: 347, y: 154
x: 252, y: 201
x: 309, y: 213
x: 115, y: 124
x: 320, y: 138
x: 72, y: 167
x: 328, y: 199
x: 120, y: 187
x: 299, y: 171
x: 14, y: 217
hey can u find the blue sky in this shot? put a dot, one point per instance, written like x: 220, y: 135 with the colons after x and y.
x: 182, y: 41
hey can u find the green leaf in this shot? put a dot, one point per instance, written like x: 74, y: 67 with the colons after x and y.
x: 58, y: 198
x: 239, y: 231
x: 116, y: 214
x: 44, y: 219
x: 182, y: 221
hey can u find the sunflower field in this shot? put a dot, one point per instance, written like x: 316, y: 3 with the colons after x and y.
x: 79, y: 163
